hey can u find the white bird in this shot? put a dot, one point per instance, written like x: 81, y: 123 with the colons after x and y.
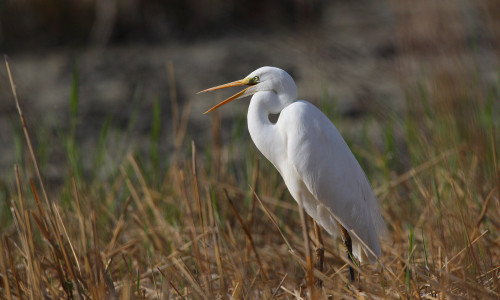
x: 314, y: 160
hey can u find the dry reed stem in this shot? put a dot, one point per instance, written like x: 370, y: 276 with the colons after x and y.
x: 191, y: 220
x: 26, y: 134
x: 273, y: 220
x: 495, y: 161
x: 455, y: 189
x: 152, y: 235
x: 3, y: 268
x: 34, y: 268
x: 13, y: 268
x: 205, y: 269
x: 119, y: 227
x: 216, y: 242
x: 307, y: 250
x: 251, y: 211
x: 248, y: 234
x: 147, y: 194
x: 43, y: 221
x: 59, y: 219
x: 279, y: 286
x: 189, y: 276
x: 319, y: 251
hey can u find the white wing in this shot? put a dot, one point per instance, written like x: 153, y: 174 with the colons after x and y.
x: 319, y: 160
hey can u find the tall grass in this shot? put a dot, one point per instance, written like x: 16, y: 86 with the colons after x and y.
x: 216, y: 222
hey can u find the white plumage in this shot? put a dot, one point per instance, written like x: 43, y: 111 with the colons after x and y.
x: 313, y: 159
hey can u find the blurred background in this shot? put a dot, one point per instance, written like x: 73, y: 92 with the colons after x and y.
x: 131, y: 68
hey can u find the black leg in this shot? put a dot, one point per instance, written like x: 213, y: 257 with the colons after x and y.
x: 348, y: 245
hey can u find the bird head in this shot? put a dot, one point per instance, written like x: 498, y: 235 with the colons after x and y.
x: 262, y: 79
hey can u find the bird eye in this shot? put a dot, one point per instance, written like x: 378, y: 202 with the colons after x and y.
x: 254, y: 80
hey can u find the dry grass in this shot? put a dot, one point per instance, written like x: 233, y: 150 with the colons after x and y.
x: 199, y: 234
x: 208, y: 227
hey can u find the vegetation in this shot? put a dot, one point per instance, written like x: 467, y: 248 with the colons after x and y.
x: 216, y: 221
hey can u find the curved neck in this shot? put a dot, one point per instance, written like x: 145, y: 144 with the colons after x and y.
x: 263, y: 132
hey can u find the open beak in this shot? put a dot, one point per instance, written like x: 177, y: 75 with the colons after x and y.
x: 241, y: 82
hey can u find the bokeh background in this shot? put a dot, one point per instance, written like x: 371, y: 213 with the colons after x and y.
x: 355, y: 59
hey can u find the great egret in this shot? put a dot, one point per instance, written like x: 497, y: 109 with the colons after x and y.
x: 314, y: 160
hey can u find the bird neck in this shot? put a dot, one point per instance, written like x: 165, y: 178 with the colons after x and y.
x: 263, y: 132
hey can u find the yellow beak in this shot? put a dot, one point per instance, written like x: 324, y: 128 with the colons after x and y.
x: 244, y: 81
